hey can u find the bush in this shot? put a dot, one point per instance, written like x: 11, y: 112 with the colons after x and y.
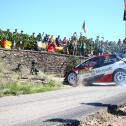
x: 70, y: 64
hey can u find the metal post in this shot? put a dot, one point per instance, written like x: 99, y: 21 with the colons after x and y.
x: 125, y: 28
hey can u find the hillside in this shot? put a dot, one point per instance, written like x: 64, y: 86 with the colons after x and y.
x: 16, y: 81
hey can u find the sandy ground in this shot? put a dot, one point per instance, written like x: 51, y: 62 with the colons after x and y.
x: 103, y: 118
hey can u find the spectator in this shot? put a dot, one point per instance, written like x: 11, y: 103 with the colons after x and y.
x: 38, y: 45
x: 1, y: 35
x: 82, y: 48
x: 74, y: 40
x: 46, y: 38
x: 39, y: 37
x: 119, y: 47
x: 101, y: 49
x: 3, y: 42
x: 124, y: 45
x: 51, y: 39
x: 51, y: 46
x: 58, y: 41
x: 74, y: 37
x: 13, y: 40
x: 21, y: 43
x: 65, y: 43
x: 70, y: 47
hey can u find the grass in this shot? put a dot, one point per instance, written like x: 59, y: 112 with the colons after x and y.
x: 11, y: 85
x: 15, y: 88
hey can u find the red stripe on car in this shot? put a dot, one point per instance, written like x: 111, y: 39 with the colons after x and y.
x: 105, y: 78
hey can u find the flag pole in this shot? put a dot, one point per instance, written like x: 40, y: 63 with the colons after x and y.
x: 125, y: 28
x: 83, y: 28
x: 124, y: 16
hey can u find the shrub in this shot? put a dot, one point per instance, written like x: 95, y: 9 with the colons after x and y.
x: 71, y: 63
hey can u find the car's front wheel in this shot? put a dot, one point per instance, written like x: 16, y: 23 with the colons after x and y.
x: 72, y: 79
x: 119, y: 77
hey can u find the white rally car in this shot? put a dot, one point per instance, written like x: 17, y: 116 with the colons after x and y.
x: 99, y: 70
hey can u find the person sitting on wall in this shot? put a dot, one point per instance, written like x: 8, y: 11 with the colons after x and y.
x: 65, y: 41
x: 3, y: 42
x: 51, y: 47
x: 58, y: 41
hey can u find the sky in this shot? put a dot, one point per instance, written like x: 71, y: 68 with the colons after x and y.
x: 102, y: 18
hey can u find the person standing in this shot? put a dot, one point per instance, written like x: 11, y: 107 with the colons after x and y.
x: 119, y: 47
x: 74, y: 40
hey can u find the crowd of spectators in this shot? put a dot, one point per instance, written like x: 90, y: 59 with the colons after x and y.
x: 75, y: 45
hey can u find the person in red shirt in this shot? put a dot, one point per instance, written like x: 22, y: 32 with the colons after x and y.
x: 51, y: 47
x: 3, y: 43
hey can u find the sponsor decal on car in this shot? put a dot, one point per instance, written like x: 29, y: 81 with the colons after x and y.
x: 103, y: 70
x: 94, y: 72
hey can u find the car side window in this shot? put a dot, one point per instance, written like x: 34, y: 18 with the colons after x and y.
x: 110, y: 59
x: 97, y: 61
x: 94, y: 63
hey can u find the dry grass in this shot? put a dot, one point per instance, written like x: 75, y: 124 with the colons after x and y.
x: 12, y: 83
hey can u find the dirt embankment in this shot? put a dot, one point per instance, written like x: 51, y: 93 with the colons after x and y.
x: 116, y: 117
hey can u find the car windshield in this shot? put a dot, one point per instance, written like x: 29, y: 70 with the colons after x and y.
x: 121, y: 56
x: 115, y: 58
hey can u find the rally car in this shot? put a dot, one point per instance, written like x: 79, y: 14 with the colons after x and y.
x: 99, y: 70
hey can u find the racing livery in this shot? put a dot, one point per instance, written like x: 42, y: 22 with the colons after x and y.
x: 99, y: 70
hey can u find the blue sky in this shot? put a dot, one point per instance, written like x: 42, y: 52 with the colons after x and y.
x: 63, y: 17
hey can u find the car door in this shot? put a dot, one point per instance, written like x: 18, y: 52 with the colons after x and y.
x: 87, y: 69
x: 107, y: 63
x: 104, y: 72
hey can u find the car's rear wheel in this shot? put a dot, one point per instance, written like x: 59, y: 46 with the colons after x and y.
x: 72, y: 79
x: 119, y: 77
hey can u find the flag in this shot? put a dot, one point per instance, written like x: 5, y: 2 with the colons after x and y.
x: 83, y: 27
x: 124, y: 16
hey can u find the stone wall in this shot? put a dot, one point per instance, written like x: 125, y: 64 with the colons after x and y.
x: 47, y: 62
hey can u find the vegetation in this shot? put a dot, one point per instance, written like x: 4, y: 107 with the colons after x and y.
x: 28, y: 42
x: 15, y: 88
x: 11, y: 83
x: 25, y: 41
x: 71, y: 63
